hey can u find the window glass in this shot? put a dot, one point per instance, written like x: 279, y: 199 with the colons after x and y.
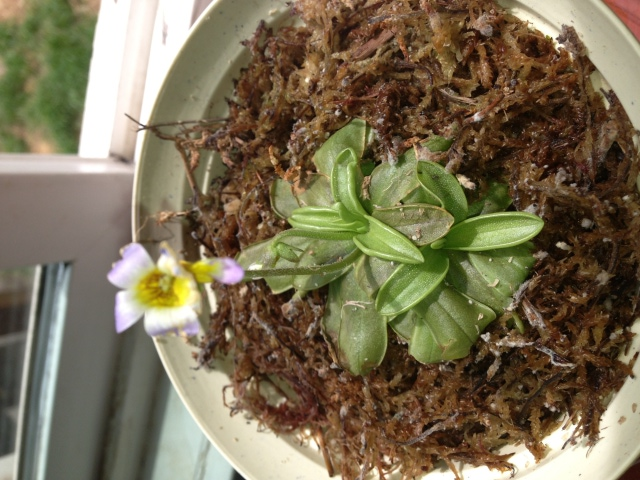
x: 16, y: 291
x: 42, y: 356
x: 32, y: 310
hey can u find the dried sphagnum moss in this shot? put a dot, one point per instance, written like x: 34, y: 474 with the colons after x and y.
x: 521, y: 111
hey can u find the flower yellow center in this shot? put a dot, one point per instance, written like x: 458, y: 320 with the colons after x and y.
x: 158, y: 289
x: 202, y: 271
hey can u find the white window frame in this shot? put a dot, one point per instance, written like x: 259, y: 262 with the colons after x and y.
x: 77, y: 209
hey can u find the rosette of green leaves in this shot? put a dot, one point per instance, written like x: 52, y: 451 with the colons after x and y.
x: 405, y: 250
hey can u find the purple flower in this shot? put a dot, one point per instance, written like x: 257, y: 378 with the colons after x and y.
x: 166, y: 294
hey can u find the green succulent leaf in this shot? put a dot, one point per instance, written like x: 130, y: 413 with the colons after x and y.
x: 372, y: 272
x: 283, y: 201
x: 356, y: 135
x: 325, y: 219
x: 322, y: 252
x: 287, y: 252
x: 367, y: 167
x: 391, y: 183
x: 464, y: 277
x: 258, y: 255
x: 346, y: 182
x: 438, y: 144
x: 422, y: 223
x: 349, y: 217
x: 494, y: 230
x: 421, y: 195
x: 265, y: 255
x: 314, y: 190
x: 492, y: 276
x: 443, y: 326
x: 317, y: 260
x: 353, y: 328
x: 440, y: 183
x: 496, y: 199
x: 410, y: 284
x: 386, y: 243
x: 395, y: 183
x: 504, y: 269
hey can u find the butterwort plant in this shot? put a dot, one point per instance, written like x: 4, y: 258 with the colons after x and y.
x: 165, y: 293
x: 398, y: 246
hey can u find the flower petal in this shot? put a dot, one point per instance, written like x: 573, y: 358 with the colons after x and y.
x: 224, y: 270
x: 160, y: 321
x: 194, y: 301
x: 192, y: 327
x: 128, y: 311
x: 134, y: 264
x: 168, y: 261
x: 231, y: 273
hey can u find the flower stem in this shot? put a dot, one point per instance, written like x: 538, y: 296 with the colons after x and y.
x: 310, y: 270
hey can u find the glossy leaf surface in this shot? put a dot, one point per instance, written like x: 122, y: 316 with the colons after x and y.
x: 356, y: 332
x: 372, y: 272
x: 496, y: 199
x: 445, y: 187
x: 480, y: 279
x: 314, y: 190
x: 386, y: 243
x: 438, y: 143
x: 421, y: 223
x: 320, y: 252
x: 346, y: 182
x: 504, y: 269
x: 444, y: 326
x: 355, y: 135
x: 410, y: 284
x: 495, y: 230
x: 318, y: 262
x: 390, y: 184
x: 325, y: 219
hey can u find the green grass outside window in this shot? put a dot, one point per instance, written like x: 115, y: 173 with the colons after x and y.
x: 44, y: 58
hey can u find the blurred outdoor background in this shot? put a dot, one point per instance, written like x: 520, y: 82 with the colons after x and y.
x: 45, y: 50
